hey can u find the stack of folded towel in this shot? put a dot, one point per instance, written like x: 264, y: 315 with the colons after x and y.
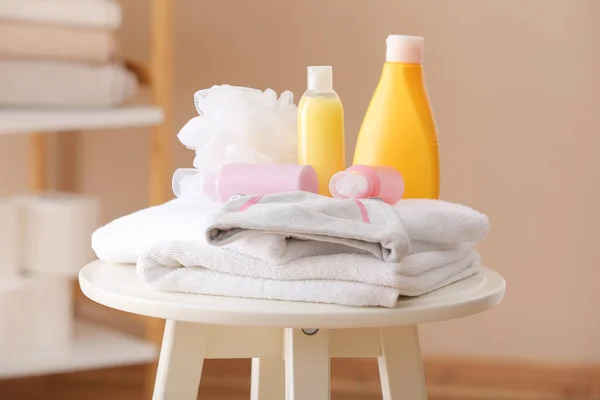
x: 299, y: 247
x: 61, y: 53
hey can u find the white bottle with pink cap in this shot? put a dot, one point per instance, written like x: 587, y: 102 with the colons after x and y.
x: 362, y: 182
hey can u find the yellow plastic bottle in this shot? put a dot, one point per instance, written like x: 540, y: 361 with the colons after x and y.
x: 398, y: 129
x: 321, y: 127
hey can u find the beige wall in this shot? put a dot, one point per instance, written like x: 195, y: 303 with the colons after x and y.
x: 515, y: 90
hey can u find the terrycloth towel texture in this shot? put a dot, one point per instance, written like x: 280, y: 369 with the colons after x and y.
x: 60, y: 84
x: 164, y: 273
x: 125, y: 239
x: 86, y: 13
x: 354, y: 276
x: 441, y: 222
x: 280, y: 228
x: 161, y: 266
x: 19, y: 40
x: 207, y: 282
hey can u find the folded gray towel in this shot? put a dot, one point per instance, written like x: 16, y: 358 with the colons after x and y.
x: 283, y: 227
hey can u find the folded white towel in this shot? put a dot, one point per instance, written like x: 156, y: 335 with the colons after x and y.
x: 207, y: 282
x: 126, y: 238
x: 415, y: 275
x: 162, y: 269
x: 306, y: 224
x: 84, y: 13
x: 438, y: 221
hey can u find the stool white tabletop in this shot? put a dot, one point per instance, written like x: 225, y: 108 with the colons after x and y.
x: 117, y: 286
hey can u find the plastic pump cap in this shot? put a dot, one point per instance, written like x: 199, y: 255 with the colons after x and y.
x: 404, y: 49
x: 320, y: 78
x: 348, y: 185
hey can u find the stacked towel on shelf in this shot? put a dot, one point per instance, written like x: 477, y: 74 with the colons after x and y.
x: 81, y: 13
x: 269, y: 251
x: 62, y: 53
x: 27, y: 41
x: 41, y: 83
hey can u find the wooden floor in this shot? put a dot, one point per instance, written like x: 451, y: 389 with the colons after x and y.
x: 127, y: 384
x: 230, y: 380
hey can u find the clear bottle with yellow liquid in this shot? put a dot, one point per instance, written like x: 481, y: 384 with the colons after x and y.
x: 398, y: 129
x: 321, y: 127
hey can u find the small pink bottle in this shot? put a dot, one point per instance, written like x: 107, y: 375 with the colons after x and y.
x: 362, y: 181
x: 244, y: 179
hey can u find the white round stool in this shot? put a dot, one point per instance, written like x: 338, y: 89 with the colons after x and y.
x: 290, y: 343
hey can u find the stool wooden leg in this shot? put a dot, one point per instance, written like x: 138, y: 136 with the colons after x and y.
x: 180, y: 362
x: 306, y: 365
x: 268, y: 377
x: 400, y: 364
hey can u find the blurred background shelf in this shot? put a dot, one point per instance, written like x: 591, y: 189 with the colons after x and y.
x: 93, y: 346
x: 53, y: 160
x: 25, y: 121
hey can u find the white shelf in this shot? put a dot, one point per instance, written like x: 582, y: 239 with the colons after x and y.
x: 93, y: 347
x: 16, y: 121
